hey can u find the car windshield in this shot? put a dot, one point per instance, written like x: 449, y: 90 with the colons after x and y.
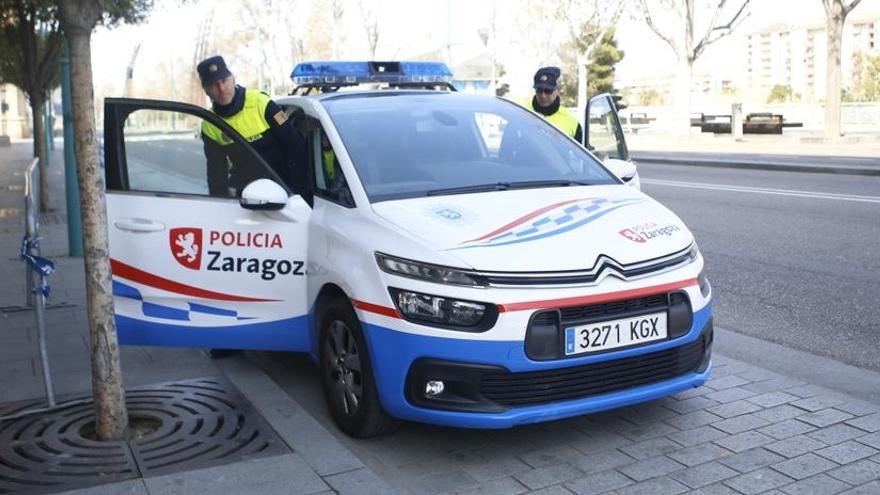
x: 406, y: 145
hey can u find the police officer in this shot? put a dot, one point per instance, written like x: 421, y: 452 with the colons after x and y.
x: 546, y: 102
x: 260, y: 121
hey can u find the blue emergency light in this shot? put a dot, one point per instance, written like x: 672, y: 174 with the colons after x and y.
x: 337, y: 74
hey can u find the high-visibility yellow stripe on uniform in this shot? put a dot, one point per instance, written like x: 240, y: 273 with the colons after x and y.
x: 562, y: 119
x: 250, y: 122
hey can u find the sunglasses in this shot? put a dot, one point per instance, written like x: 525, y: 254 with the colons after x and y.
x: 544, y: 91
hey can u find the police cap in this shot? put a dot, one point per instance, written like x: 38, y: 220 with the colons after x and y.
x: 212, y: 69
x: 546, y: 78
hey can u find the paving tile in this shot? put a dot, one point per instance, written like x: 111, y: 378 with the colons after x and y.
x: 740, y: 424
x: 664, y: 485
x: 858, y: 407
x: 735, y: 408
x: 697, y: 436
x: 692, y: 420
x: 804, y: 466
x: 699, y: 454
x: 648, y: 431
x: 809, y: 391
x: 503, y: 486
x: 550, y: 456
x: 795, y: 446
x: 751, y: 460
x: 691, y: 405
x: 847, y: 452
x: 649, y: 468
x: 600, y: 442
x: 542, y: 477
x: 357, y: 482
x: 825, y: 417
x: 705, y: 474
x: 857, y: 473
x: 838, y: 433
x: 730, y: 394
x: 726, y: 382
x: 715, y: 489
x: 598, y: 483
x: 552, y: 490
x: 780, y: 413
x: 758, y: 481
x: 817, y: 485
x: 786, y: 429
x: 870, y: 423
x: 772, y: 385
x: 691, y: 393
x: 603, y: 461
x: 872, y: 488
x: 872, y: 440
x: 772, y: 399
x: 744, y: 441
x: 496, y: 466
x: 651, y: 448
x: 815, y: 404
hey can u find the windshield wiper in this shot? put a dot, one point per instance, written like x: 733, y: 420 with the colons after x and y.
x: 495, y: 186
x: 528, y: 184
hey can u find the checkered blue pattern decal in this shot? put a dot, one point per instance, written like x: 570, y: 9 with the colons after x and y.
x: 165, y: 312
x: 550, y: 222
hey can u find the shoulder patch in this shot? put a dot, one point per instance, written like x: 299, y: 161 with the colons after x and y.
x: 280, y: 117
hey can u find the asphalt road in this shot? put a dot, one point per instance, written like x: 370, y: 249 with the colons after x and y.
x: 793, y: 258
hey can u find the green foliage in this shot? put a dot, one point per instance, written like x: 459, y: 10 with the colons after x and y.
x: 126, y: 12
x: 600, y: 68
x: 782, y: 93
x: 867, y: 84
x: 649, y: 97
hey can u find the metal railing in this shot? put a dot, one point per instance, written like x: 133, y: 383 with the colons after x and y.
x: 38, y: 268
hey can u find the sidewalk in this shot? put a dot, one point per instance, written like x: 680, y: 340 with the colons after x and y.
x: 856, y: 155
x: 305, y: 458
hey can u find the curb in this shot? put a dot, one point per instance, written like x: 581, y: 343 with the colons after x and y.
x: 856, y: 382
x: 779, y: 167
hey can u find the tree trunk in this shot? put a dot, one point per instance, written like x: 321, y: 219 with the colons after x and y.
x: 38, y: 102
x: 110, y: 412
x: 582, y: 84
x: 682, y: 111
x: 834, y: 31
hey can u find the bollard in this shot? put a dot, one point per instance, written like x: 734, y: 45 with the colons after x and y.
x: 736, y: 121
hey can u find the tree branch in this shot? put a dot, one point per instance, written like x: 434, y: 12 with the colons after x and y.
x: 646, y: 12
x: 848, y: 8
x: 724, y: 29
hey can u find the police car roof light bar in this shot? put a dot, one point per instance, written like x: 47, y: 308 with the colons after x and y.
x: 330, y: 76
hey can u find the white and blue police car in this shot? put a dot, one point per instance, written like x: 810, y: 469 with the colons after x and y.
x: 455, y: 259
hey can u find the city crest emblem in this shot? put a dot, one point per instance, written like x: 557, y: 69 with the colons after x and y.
x: 186, y: 246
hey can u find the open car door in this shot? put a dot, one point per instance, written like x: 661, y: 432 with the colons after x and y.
x: 193, y: 268
x: 604, y: 137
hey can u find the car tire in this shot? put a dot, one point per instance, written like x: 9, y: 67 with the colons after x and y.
x: 347, y: 375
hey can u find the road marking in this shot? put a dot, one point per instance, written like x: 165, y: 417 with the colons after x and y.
x: 764, y: 190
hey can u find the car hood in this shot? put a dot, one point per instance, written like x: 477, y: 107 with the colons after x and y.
x: 538, y: 230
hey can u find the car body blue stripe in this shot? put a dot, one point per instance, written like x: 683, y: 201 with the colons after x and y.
x: 166, y: 313
x: 291, y: 334
x: 210, y: 310
x: 125, y: 290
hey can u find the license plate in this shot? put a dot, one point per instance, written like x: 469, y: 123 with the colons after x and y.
x: 614, y: 334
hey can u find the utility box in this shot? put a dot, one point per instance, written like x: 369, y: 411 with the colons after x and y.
x: 736, y: 120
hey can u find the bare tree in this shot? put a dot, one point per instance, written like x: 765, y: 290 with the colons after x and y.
x: 371, y: 24
x: 280, y: 42
x: 587, y: 22
x: 30, y: 43
x: 835, y: 15
x: 338, y: 38
x: 687, y: 48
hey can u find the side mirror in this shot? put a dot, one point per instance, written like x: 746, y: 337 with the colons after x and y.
x: 263, y: 194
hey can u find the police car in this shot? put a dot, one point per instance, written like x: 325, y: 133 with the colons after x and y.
x: 456, y: 260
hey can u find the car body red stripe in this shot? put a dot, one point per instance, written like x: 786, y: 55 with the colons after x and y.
x: 129, y: 272
x: 523, y: 219
x: 376, y: 308
x: 596, y: 298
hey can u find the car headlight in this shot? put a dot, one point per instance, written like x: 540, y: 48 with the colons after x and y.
x: 428, y: 272
x: 693, y: 252
x: 444, y: 312
x: 703, y: 280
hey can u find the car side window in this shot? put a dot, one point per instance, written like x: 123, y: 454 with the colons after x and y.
x: 175, y: 152
x: 330, y: 181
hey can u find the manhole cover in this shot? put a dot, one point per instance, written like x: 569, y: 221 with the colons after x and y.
x: 197, y: 423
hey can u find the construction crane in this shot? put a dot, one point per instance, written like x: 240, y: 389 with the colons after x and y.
x: 129, y: 71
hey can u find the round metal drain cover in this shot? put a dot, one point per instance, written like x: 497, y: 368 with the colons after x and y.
x: 199, y: 423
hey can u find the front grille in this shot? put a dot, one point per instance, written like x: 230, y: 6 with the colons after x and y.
x: 541, y: 387
x: 609, y: 310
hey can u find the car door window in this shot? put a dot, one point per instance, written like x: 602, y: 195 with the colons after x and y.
x: 167, y: 152
x: 602, y: 130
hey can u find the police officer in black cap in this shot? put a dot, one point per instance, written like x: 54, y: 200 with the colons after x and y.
x: 260, y: 121
x: 546, y: 102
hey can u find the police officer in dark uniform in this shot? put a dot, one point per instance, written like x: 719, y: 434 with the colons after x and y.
x: 546, y: 102
x: 260, y: 121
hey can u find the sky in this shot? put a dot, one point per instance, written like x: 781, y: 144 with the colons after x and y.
x: 411, y: 27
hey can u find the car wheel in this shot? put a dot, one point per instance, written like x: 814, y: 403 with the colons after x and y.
x: 347, y: 375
